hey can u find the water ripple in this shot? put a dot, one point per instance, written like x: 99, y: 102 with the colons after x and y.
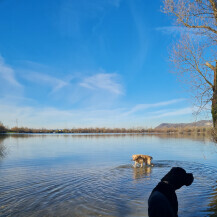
x: 49, y: 188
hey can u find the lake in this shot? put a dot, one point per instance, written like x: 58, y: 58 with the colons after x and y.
x: 93, y: 175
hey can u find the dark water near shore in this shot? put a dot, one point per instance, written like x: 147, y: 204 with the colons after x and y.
x: 92, y: 175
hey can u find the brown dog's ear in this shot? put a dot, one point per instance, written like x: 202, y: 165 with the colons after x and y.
x: 189, y: 179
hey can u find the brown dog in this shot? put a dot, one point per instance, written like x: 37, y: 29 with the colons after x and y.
x: 140, y: 159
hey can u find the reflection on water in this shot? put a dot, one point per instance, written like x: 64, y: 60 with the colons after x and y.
x: 141, y: 172
x: 90, y: 175
x: 213, y: 203
x: 2, y: 146
x: 195, y: 136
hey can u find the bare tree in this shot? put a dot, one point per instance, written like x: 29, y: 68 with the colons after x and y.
x: 195, y: 54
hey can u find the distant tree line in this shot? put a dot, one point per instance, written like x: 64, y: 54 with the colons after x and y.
x: 180, y: 130
x: 3, y: 129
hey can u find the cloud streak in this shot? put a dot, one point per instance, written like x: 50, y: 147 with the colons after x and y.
x: 180, y: 30
x: 73, y: 16
x: 103, y: 81
x: 7, y: 74
x: 44, y: 79
x: 141, y: 107
x: 172, y: 29
x: 142, y: 36
x: 115, y: 3
x: 176, y: 112
x: 51, y: 117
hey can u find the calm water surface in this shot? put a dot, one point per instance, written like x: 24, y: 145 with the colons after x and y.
x: 92, y: 175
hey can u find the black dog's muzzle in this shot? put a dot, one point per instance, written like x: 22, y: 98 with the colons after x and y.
x: 189, y: 179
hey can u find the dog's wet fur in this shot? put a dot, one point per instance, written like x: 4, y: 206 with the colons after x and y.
x: 140, y: 159
x: 163, y: 200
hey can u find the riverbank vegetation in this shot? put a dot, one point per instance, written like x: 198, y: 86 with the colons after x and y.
x: 166, y: 130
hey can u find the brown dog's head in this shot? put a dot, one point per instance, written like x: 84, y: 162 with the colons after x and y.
x: 135, y: 156
x: 178, y: 177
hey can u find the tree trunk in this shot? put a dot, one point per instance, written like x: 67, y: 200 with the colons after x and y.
x: 214, y: 101
x: 214, y: 109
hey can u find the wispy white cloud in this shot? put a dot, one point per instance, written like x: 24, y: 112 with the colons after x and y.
x: 105, y: 89
x: 72, y: 17
x: 180, y: 30
x: 141, y: 107
x: 44, y: 79
x: 74, y: 88
x: 115, y: 3
x: 103, y: 81
x: 175, y: 112
x: 172, y: 29
x: 52, y: 117
x: 9, y: 84
x: 12, y: 99
x: 7, y: 74
x: 32, y: 65
x: 142, y: 37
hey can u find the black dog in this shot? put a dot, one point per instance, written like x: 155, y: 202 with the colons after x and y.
x: 163, y: 200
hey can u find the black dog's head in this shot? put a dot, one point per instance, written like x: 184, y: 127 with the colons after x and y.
x: 178, y: 177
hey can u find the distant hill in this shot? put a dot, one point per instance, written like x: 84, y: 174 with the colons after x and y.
x: 202, y: 123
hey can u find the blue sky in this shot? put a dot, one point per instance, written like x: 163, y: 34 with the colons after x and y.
x: 88, y: 63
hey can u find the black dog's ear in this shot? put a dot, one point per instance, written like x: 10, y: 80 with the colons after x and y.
x: 189, y: 179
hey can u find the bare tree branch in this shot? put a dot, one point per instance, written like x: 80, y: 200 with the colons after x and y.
x: 210, y: 66
x: 194, y: 55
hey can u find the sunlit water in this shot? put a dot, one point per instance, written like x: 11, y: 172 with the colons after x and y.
x: 92, y: 175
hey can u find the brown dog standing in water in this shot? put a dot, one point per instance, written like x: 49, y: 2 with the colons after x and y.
x: 140, y: 159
